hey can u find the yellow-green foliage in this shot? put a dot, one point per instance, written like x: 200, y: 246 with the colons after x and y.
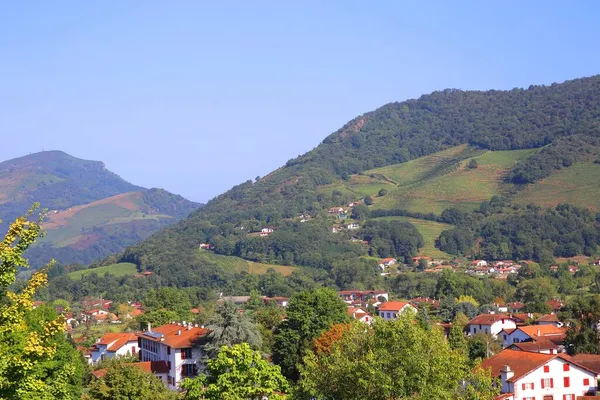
x: 22, y: 348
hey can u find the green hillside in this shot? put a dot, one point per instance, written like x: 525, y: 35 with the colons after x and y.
x: 448, y: 150
x: 577, y: 185
x: 236, y: 264
x: 119, y: 269
x: 92, y: 212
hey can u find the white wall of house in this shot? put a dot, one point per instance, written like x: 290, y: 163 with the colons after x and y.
x: 553, y: 382
x: 391, y: 315
x: 102, y: 353
x: 493, y: 329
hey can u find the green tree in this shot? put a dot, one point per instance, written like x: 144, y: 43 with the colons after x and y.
x: 309, y: 313
x: 238, y: 372
x: 368, y: 200
x: 360, y: 212
x: 34, y: 361
x: 229, y: 327
x: 456, y: 336
x: 382, y: 192
x: 473, y: 164
x: 397, y: 359
x: 128, y: 382
x: 582, y: 315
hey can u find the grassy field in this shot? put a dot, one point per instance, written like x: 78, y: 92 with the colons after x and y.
x: 459, y: 187
x: 431, y: 231
x: 576, y: 185
x: 241, y: 265
x: 120, y: 269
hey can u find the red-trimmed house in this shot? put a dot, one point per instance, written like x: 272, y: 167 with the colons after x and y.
x: 391, y: 309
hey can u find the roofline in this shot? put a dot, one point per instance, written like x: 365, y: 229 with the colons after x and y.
x: 555, y: 356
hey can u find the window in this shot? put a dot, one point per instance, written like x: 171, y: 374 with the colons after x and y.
x: 546, y: 383
x: 568, y: 397
x: 389, y: 315
x: 566, y: 381
x: 566, y: 367
x: 186, y: 353
x: 504, y: 337
x: 586, y: 381
x: 546, y: 368
x: 527, y: 386
x: 168, y: 350
x: 188, y: 370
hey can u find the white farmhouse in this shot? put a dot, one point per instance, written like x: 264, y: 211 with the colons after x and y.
x: 112, y: 345
x: 490, y: 323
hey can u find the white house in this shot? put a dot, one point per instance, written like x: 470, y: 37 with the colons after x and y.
x: 532, y: 333
x: 112, y: 345
x: 390, y: 309
x: 176, y: 344
x: 360, y: 315
x: 526, y: 375
x: 353, y: 226
x: 386, y: 262
x: 479, y: 263
x: 490, y: 323
x: 362, y: 298
x: 268, y: 229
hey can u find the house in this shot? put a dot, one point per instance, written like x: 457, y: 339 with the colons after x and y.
x: 386, y: 262
x: 156, y: 368
x: 281, y: 301
x: 267, y: 230
x: 573, y: 269
x: 206, y: 246
x: 528, y: 375
x: 362, y: 298
x: 112, y: 345
x: 353, y: 226
x: 336, y: 210
x: 178, y: 345
x: 532, y: 333
x: 479, y: 263
x: 390, y: 309
x: 522, y: 318
x: 335, y: 229
x: 420, y: 301
x: 354, y: 203
x: 515, y: 307
x: 555, y: 305
x: 491, y: 324
x: 360, y: 315
x: 539, y: 346
x: 549, y: 319
x: 591, y: 361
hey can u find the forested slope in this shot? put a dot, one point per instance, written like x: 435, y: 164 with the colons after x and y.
x: 560, y: 121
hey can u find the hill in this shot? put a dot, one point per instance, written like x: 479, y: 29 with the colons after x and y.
x: 449, y: 150
x: 92, y: 212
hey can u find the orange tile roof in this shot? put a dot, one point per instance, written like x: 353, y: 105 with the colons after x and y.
x: 538, y: 345
x: 392, y: 306
x: 118, y: 340
x: 487, y: 319
x: 540, y: 331
x: 186, y: 339
x: 523, y: 362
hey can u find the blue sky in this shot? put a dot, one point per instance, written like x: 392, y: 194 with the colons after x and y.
x: 195, y: 97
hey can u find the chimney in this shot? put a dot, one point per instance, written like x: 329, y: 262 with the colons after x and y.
x: 178, y: 332
x: 190, y: 326
x: 505, y: 374
x: 182, y: 322
x: 538, y: 332
x: 149, y: 327
x: 98, y: 340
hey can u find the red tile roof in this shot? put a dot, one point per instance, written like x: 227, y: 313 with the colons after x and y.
x: 548, y: 318
x: 487, y: 319
x: 392, y: 306
x: 118, y: 340
x: 541, y: 331
x: 591, y: 361
x: 517, y: 305
x: 537, y: 346
x: 186, y: 338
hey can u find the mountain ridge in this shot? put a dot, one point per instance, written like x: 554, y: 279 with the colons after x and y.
x: 92, y: 212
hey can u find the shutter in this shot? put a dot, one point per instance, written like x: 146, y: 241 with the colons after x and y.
x: 532, y: 385
x: 564, y: 397
x: 542, y: 382
x: 523, y: 386
x: 551, y: 382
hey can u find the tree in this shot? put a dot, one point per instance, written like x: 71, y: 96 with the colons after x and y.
x: 473, y: 164
x: 309, y: 313
x: 128, y: 382
x: 382, y: 192
x: 360, y: 212
x: 229, y: 327
x: 397, y: 360
x: 368, y: 200
x: 582, y: 315
x: 32, y: 365
x: 238, y: 372
x: 456, y: 337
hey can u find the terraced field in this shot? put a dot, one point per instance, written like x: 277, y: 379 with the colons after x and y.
x: 577, y: 185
